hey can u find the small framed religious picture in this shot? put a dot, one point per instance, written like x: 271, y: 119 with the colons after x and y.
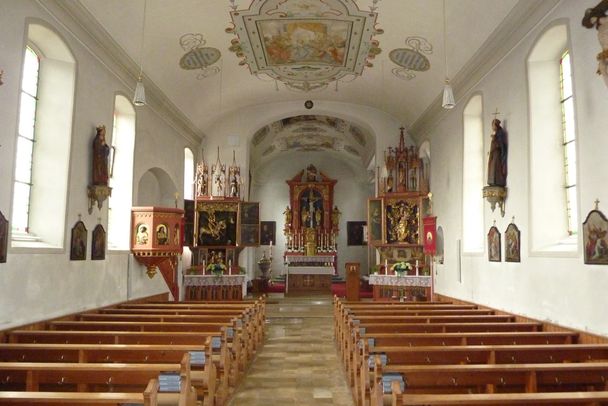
x: 512, y: 243
x: 494, y: 245
x: 3, y: 237
x: 375, y: 223
x: 78, y: 247
x: 268, y: 232
x: 595, y: 238
x: 355, y: 233
x: 98, y: 243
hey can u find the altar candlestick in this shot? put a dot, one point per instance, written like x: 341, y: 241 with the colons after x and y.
x: 386, y: 266
x: 416, y: 267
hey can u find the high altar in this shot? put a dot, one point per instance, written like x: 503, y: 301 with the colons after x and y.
x: 400, y: 226
x: 311, y: 230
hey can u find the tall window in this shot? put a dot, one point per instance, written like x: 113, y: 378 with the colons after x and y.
x: 552, y: 160
x: 188, y: 174
x: 472, y: 176
x: 569, y: 139
x: 121, y: 174
x: 42, y: 157
x: 25, y: 142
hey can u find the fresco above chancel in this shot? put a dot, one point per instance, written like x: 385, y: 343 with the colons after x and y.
x: 305, y: 44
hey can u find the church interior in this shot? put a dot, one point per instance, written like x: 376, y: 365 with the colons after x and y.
x: 314, y: 202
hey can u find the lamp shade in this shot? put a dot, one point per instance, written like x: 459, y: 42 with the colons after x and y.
x: 139, y: 99
x: 448, y: 96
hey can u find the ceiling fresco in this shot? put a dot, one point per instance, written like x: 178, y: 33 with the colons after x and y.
x: 305, y: 133
x: 305, y: 44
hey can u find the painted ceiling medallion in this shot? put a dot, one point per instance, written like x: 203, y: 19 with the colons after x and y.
x: 411, y: 59
x: 198, y: 56
x: 305, y: 44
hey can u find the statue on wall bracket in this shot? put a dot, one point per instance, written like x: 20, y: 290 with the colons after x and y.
x: 597, y: 17
x: 98, y: 191
x: 496, y: 191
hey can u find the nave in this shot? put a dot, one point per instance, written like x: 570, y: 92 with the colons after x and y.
x: 298, y: 363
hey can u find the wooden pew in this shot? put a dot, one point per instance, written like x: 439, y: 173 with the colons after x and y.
x: 528, y: 378
x: 96, y: 377
x: 531, y: 399
x: 150, y: 397
x: 479, y: 354
x: 139, y: 326
x: 225, y: 371
x: 203, y: 378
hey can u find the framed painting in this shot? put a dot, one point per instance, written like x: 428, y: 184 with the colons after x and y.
x: 512, y: 243
x: 217, y: 223
x: 78, y: 246
x: 355, y: 233
x: 375, y: 216
x: 595, y: 238
x: 494, y: 245
x: 268, y: 230
x: 249, y: 224
x: 3, y: 237
x: 98, y: 244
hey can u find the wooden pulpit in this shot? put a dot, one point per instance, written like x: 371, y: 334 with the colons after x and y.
x: 353, y: 281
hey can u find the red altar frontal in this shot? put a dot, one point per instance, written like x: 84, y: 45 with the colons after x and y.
x: 311, y: 230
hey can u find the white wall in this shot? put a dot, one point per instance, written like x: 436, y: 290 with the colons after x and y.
x: 38, y: 284
x: 555, y: 288
x: 350, y: 195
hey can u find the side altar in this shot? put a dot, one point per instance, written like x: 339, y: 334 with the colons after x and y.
x: 401, y: 227
x: 311, y: 230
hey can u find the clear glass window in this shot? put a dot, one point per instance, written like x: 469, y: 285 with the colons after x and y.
x: 25, y: 142
x: 569, y: 142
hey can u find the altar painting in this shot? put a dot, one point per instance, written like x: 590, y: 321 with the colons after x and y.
x: 374, y: 221
x: 402, y: 222
x: 308, y: 41
x: 217, y: 224
x: 311, y: 208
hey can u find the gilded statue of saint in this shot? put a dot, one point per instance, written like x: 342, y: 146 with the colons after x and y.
x: 287, y: 214
x: 101, y: 152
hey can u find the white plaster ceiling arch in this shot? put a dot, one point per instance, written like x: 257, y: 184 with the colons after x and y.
x: 156, y: 188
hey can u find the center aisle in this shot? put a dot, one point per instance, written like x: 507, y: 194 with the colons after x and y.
x: 298, y: 363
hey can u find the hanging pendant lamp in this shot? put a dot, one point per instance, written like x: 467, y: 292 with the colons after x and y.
x: 448, y: 94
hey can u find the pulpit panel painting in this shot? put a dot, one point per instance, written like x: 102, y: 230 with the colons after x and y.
x: 217, y: 224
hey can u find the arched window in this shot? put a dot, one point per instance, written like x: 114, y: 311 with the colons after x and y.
x: 188, y: 174
x: 553, y: 164
x: 121, y: 174
x: 472, y: 176
x: 43, y: 141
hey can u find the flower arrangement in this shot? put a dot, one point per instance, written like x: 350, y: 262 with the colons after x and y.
x: 216, y: 268
x: 401, y: 267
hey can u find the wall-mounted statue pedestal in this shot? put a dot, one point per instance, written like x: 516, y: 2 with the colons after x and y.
x: 496, y: 195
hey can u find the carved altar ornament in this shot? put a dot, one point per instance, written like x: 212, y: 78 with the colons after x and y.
x: 402, y: 168
x: 597, y: 17
x: 335, y: 218
x: 287, y: 214
x: 202, y: 180
x: 234, y: 176
x: 218, y: 174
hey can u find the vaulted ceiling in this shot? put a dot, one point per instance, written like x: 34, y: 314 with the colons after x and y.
x: 176, y: 28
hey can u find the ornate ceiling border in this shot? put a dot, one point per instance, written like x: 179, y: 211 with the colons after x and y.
x: 304, y: 43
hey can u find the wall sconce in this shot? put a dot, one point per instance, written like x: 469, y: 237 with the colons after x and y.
x: 597, y: 17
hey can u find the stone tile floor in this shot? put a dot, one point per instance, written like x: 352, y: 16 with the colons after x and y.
x: 298, y: 363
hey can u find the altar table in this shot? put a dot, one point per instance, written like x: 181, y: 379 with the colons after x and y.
x: 215, y: 287
x: 387, y: 287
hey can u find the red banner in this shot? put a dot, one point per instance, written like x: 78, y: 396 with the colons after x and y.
x: 430, y: 235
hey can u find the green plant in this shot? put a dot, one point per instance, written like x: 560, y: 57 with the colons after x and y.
x: 242, y: 270
x: 401, y: 267
x: 374, y: 270
x: 216, y: 269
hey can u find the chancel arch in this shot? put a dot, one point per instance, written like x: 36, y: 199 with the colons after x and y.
x: 156, y: 188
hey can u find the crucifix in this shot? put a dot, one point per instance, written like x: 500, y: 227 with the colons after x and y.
x: 496, y: 113
x: 597, y: 204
